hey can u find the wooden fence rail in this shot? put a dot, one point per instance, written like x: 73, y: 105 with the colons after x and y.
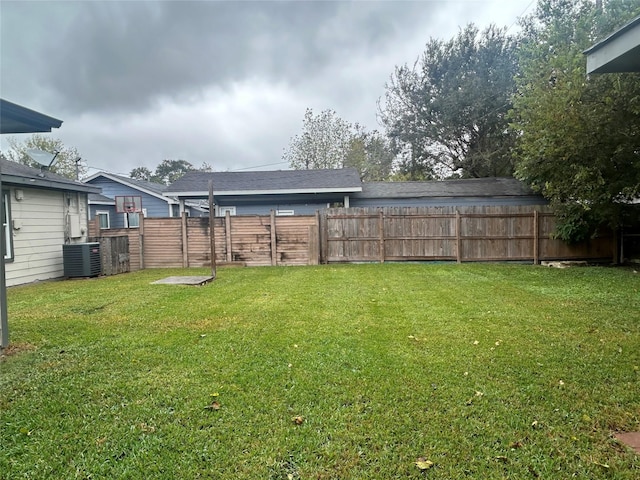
x: 356, y: 235
x: 247, y: 240
x: 449, y: 233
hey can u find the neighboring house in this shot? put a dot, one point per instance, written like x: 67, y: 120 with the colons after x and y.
x: 103, y: 208
x: 41, y: 212
x: 459, y: 192
x: 154, y: 202
x: 618, y: 53
x: 287, y: 192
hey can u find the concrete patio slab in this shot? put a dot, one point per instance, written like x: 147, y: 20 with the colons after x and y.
x: 631, y: 439
x: 192, y: 280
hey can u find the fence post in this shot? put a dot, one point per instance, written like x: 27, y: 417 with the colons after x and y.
x: 314, y: 244
x: 227, y: 235
x: 323, y: 226
x: 185, y: 245
x: 141, y: 240
x: 458, y: 237
x: 274, y: 246
x: 536, y: 245
x: 381, y: 228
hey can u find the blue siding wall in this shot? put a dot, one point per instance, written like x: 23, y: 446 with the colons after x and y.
x: 156, y: 207
x: 115, y: 219
x: 448, y: 202
x: 262, y: 205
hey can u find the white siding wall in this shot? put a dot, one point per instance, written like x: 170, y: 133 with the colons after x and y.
x: 43, y: 217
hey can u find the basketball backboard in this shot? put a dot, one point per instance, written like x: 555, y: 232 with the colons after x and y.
x: 128, y: 203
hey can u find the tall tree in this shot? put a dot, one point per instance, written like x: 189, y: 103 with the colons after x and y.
x: 371, y: 154
x: 578, y: 136
x: 168, y: 171
x: 323, y: 143
x: 67, y: 161
x: 141, y: 173
x: 446, y: 115
x: 327, y: 141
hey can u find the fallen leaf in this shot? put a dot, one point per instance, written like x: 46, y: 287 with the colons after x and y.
x: 298, y: 420
x: 423, y: 464
x: 213, y: 406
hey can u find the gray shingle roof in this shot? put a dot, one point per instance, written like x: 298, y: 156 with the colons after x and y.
x: 158, y: 188
x: 197, y: 182
x: 18, y: 174
x: 101, y: 199
x: 152, y: 187
x: 472, y: 187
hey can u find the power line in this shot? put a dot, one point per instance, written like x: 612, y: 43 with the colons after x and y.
x: 258, y: 166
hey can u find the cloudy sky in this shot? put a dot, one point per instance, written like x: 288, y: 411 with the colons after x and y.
x: 226, y: 83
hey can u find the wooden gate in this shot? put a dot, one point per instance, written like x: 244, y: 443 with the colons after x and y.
x: 114, y: 252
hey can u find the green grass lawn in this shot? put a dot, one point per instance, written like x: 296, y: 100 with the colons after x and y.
x: 329, y: 372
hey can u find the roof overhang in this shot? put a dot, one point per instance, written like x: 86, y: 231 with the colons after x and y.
x: 44, y: 182
x: 618, y: 53
x: 292, y: 191
x: 17, y: 119
x: 114, y: 178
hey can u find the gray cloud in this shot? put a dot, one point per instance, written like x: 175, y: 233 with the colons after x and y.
x: 220, y: 82
x: 124, y: 55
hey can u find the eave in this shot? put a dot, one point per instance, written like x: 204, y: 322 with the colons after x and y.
x: 618, y: 53
x: 293, y: 191
x: 33, y: 182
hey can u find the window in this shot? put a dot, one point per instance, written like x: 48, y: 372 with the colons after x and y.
x: 6, y: 227
x: 222, y: 211
x: 132, y: 220
x: 103, y: 220
x: 284, y: 213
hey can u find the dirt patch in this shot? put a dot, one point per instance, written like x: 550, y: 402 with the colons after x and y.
x: 15, y: 349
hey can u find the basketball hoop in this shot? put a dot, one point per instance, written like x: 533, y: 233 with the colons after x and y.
x: 128, y: 203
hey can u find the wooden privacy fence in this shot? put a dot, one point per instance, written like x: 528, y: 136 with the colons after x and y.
x: 246, y: 240
x: 461, y: 234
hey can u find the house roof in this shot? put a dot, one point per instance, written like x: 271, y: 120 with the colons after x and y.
x: 619, y: 52
x: 150, y: 188
x: 97, y: 199
x: 196, y: 183
x: 22, y: 175
x: 471, y: 187
x: 18, y: 119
